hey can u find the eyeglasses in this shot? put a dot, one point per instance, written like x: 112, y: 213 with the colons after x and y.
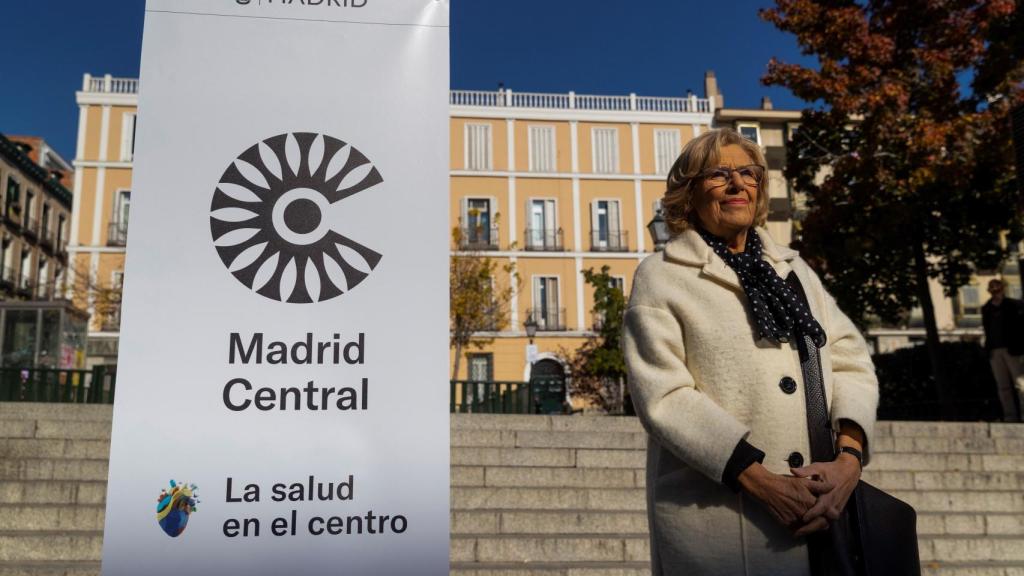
x: 750, y: 174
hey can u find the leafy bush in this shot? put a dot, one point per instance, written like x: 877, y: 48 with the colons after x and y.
x: 907, y: 386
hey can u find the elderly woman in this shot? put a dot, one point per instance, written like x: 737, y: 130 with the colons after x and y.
x: 716, y: 379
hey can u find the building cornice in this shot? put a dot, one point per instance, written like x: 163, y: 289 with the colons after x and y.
x: 13, y: 153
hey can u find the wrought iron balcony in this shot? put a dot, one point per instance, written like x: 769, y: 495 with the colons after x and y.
x: 609, y: 241
x: 543, y: 240
x: 548, y: 319
x: 30, y: 228
x: 479, y: 238
x: 117, y: 234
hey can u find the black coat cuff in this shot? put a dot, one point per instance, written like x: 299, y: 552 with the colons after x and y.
x: 742, y: 457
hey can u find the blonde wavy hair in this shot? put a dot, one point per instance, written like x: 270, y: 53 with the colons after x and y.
x: 685, y: 180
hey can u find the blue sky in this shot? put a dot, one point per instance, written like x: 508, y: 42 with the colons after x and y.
x: 650, y: 47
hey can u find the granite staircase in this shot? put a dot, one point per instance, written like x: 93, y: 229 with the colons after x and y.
x: 533, y: 495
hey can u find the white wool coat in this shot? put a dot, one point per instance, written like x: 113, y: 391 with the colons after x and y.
x: 700, y: 383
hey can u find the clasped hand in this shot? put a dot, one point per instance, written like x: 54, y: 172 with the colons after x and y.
x: 809, y: 500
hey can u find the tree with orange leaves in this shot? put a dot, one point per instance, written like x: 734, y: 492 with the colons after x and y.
x: 908, y: 173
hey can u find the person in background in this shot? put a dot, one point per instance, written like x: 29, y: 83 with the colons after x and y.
x: 1003, y: 320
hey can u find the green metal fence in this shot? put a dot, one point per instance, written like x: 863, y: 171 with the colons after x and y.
x: 94, y: 386
x: 538, y: 396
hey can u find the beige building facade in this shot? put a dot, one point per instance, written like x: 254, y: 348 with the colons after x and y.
x: 103, y: 178
x: 552, y: 184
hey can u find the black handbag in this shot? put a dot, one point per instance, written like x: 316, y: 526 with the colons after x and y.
x: 876, y: 534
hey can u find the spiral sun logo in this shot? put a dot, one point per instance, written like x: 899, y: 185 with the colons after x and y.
x: 270, y: 223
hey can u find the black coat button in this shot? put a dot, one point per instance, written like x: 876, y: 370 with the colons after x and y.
x: 795, y: 460
x: 788, y: 385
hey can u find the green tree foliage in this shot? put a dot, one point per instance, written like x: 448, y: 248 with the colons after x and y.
x: 908, y: 175
x: 597, y: 368
x: 480, y: 293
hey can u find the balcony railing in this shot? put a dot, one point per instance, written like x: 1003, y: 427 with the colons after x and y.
x: 110, y: 85
x: 543, y: 240
x: 8, y: 278
x: 117, y: 234
x: 30, y: 228
x: 479, y: 238
x: 12, y: 215
x: 573, y: 101
x: 46, y: 237
x: 111, y: 319
x: 548, y: 319
x: 609, y: 241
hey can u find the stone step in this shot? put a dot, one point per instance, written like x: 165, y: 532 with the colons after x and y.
x: 550, y: 569
x: 972, y: 549
x: 636, y: 459
x: 545, y: 521
x: 52, y: 492
x: 51, y: 517
x: 28, y: 448
x: 53, y: 469
x: 962, y: 501
x: 566, y: 477
x: 50, y: 569
x: 61, y: 546
x: 972, y: 569
x: 500, y: 521
x: 548, y: 498
x: 55, y: 411
x: 550, y: 548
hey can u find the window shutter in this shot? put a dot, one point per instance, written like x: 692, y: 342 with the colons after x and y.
x: 667, y: 148
x: 127, y: 137
x: 478, y: 146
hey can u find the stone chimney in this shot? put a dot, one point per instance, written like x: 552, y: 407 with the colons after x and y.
x: 711, y: 90
x: 766, y: 103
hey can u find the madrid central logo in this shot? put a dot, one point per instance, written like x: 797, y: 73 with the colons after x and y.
x: 270, y: 217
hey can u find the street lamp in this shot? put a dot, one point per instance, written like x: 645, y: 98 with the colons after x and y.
x: 659, y: 231
x: 531, y: 327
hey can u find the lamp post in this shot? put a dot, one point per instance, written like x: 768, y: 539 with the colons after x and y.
x: 659, y: 231
x: 531, y: 328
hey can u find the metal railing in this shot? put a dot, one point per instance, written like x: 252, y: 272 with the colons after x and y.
x: 538, y: 396
x: 117, y: 234
x: 609, y: 241
x: 30, y: 228
x: 548, y: 319
x: 479, y: 238
x: 94, y: 386
x: 543, y: 240
x: 572, y: 101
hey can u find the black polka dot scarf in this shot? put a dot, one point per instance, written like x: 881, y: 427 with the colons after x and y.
x: 779, y: 312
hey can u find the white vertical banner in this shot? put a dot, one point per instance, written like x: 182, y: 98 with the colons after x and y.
x: 282, y: 396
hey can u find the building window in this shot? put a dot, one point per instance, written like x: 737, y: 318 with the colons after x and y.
x: 619, y: 282
x: 24, y: 269
x: 44, y: 226
x: 29, y: 197
x: 481, y: 367
x: 666, y: 149
x: 606, y: 233
x: 59, y: 243
x: 545, y: 311
x: 128, y: 137
x: 118, y: 234
x: 478, y: 147
x: 13, y: 196
x: 606, y: 150
x: 970, y: 301
x: 543, y: 233
x: 43, y: 291
x: 479, y: 232
x: 8, y: 263
x: 542, y: 149
x: 750, y: 131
